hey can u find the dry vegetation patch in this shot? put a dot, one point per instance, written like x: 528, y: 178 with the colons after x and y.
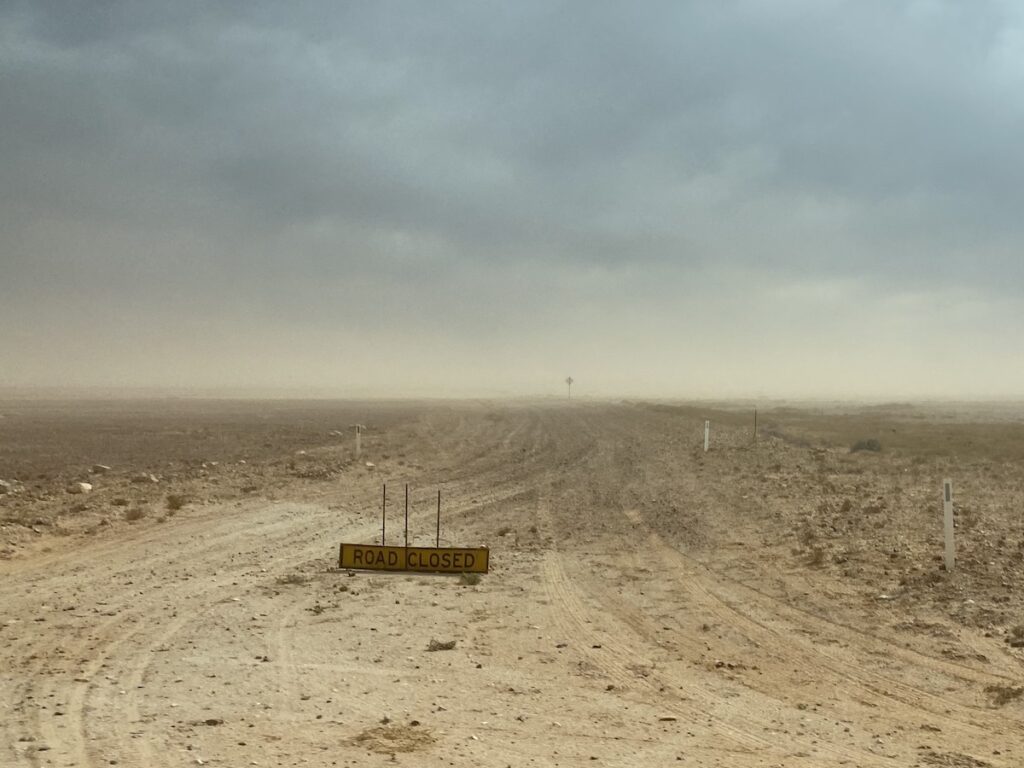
x: 391, y: 739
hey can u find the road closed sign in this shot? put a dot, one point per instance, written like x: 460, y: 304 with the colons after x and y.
x: 374, y: 557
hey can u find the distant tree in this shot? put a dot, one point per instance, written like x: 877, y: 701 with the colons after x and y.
x: 569, y: 382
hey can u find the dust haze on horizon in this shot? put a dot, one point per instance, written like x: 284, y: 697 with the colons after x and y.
x: 735, y: 199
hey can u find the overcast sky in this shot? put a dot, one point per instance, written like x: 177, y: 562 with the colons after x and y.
x: 804, y: 198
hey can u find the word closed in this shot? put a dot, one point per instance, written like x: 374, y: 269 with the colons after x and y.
x: 373, y: 557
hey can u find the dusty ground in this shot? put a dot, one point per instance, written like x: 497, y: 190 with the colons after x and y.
x: 777, y: 604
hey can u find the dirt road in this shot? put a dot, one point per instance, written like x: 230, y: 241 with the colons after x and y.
x: 645, y: 607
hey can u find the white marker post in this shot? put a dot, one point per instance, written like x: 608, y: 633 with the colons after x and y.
x: 707, y: 434
x: 947, y: 502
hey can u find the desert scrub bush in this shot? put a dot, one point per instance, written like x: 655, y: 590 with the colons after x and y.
x: 816, y: 559
x: 469, y: 579
x: 1015, y: 637
x: 175, y: 501
x: 1004, y: 694
x: 136, y: 513
x: 292, y: 578
x: 868, y: 444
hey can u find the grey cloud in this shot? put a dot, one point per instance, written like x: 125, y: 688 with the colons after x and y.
x: 513, y: 164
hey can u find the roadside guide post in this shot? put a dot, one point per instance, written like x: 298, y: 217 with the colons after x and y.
x: 707, y: 434
x: 383, y: 514
x: 947, y: 503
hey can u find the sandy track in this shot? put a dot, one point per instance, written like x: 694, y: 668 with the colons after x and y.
x: 604, y: 634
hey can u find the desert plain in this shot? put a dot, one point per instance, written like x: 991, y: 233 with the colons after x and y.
x: 779, y: 600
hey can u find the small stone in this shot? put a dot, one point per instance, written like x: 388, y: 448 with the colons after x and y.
x: 80, y: 488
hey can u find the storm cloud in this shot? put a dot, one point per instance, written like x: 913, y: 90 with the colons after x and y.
x: 692, y: 199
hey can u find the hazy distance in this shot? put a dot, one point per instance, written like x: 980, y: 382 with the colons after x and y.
x: 720, y: 199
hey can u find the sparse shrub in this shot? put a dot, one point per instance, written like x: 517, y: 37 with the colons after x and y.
x: 868, y: 444
x: 120, y: 502
x: 1016, y: 636
x: 175, y: 501
x: 806, y: 534
x: 817, y: 557
x: 293, y: 578
x: 1004, y: 694
x: 505, y: 531
x: 469, y: 579
x: 137, y: 513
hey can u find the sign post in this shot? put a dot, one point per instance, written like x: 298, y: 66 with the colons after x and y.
x: 707, y: 434
x: 381, y: 557
x: 947, y: 503
x: 359, y: 447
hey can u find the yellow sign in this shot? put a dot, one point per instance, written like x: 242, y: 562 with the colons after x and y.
x: 374, y: 557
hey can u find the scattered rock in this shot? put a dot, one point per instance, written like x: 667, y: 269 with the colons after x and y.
x: 80, y: 488
x: 6, y: 487
x: 145, y: 478
x: 439, y: 645
x: 99, y: 469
